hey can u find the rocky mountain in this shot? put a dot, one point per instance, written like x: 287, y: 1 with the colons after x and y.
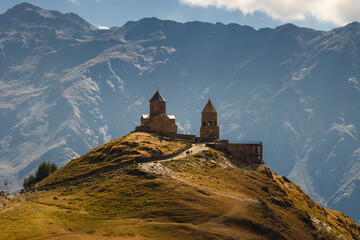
x: 142, y: 186
x: 67, y: 87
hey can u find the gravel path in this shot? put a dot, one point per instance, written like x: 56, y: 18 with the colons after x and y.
x: 158, y: 168
x: 195, y: 148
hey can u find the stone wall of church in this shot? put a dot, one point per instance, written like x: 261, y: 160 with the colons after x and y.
x: 246, y: 152
x: 210, y: 133
x: 161, y: 123
x: 243, y: 152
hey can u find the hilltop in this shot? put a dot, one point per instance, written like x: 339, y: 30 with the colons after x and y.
x: 120, y: 190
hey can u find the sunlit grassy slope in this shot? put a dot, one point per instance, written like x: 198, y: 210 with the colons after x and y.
x: 116, y: 153
x: 204, y: 196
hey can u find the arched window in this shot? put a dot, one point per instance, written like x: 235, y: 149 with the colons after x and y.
x: 204, y: 123
x: 209, y: 123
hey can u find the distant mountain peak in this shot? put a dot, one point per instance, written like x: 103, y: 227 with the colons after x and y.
x: 355, y: 23
x: 353, y: 26
x: 22, y: 8
x: 25, y: 5
x: 28, y: 14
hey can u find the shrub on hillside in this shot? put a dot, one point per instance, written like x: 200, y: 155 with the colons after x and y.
x: 43, y: 170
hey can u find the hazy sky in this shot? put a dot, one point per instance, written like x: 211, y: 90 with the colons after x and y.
x: 316, y: 14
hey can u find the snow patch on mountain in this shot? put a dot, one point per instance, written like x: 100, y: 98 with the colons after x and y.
x: 355, y: 83
x: 117, y: 78
x: 82, y: 92
x: 184, y: 127
x: 300, y: 173
x: 287, y: 126
x: 347, y: 191
x: 133, y: 108
x: 343, y: 129
x: 296, y: 77
x: 168, y: 49
x: 305, y: 101
x: 15, y: 92
x: 103, y: 131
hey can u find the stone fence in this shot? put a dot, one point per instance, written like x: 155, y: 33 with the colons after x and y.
x: 170, y: 135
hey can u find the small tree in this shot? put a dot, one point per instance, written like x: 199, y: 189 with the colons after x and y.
x: 31, y: 180
x: 53, y: 167
x: 6, y: 184
x: 26, y: 183
x: 43, y: 170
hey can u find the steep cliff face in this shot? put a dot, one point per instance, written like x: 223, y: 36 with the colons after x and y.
x: 121, y: 190
x: 67, y: 87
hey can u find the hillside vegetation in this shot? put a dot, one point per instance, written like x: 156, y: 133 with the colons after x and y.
x: 202, y: 196
x: 117, y: 153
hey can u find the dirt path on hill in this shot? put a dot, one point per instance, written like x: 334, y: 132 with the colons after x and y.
x: 216, y: 225
x: 157, y: 168
x: 10, y: 205
x: 195, y: 148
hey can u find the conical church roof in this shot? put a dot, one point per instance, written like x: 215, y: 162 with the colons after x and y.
x: 157, y: 97
x: 209, y: 108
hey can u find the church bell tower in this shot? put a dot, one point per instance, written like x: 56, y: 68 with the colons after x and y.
x: 157, y: 104
x: 209, y: 130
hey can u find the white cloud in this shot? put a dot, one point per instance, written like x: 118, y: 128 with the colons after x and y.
x: 97, y: 1
x: 76, y: 2
x: 102, y: 27
x: 339, y: 12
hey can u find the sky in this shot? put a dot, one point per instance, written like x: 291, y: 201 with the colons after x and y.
x: 316, y: 14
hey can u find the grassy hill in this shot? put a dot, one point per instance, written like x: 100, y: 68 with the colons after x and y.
x: 108, y: 194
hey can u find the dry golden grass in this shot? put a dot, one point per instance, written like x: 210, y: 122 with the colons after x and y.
x: 199, y: 197
x: 131, y: 147
x: 285, y: 208
x: 336, y: 220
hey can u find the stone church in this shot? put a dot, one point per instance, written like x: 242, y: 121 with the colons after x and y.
x: 161, y: 123
x: 158, y: 120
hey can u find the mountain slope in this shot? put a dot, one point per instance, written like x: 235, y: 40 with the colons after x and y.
x: 202, y: 196
x: 67, y: 87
